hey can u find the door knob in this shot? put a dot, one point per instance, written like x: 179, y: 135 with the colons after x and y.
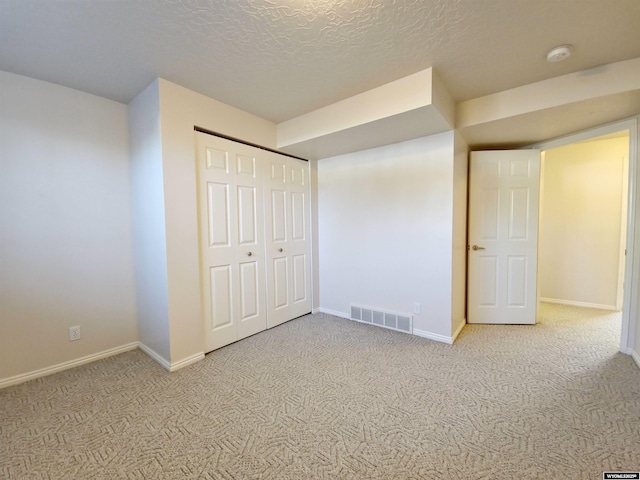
x: 249, y: 253
x: 281, y: 250
x: 476, y: 247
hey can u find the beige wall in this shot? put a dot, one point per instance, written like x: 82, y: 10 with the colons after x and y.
x: 459, y: 252
x: 163, y: 118
x: 634, y: 327
x: 66, y: 244
x: 584, y: 186
x: 385, y: 231
x: 180, y: 110
x: 65, y: 240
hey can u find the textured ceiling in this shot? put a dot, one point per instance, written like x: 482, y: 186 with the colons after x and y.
x: 281, y: 58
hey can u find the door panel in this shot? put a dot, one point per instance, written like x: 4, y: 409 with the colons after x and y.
x: 289, y: 277
x: 520, y: 167
x: 246, y: 165
x: 254, y: 238
x: 279, y: 216
x: 519, y: 214
x: 490, y: 170
x: 503, y: 236
x: 297, y: 174
x: 488, y: 269
x: 299, y: 245
x: 247, y: 213
x: 278, y: 226
x: 231, y: 224
x: 280, y: 283
x: 252, y: 310
x: 489, y: 205
x: 252, y: 318
x: 278, y: 172
x: 221, y: 296
x: 517, y: 281
x: 220, y: 312
x: 298, y: 216
x: 217, y: 159
x: 299, y: 278
x: 218, y: 210
x: 248, y: 290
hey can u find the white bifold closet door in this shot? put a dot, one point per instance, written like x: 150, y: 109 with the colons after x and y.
x: 288, y: 238
x: 252, y: 277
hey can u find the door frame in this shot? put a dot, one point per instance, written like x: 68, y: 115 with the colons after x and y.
x: 632, y: 262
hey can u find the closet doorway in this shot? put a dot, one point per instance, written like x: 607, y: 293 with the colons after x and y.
x: 254, y: 235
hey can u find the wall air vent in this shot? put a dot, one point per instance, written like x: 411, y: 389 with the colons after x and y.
x: 402, y: 322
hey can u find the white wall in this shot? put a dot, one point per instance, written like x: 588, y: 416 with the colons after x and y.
x: 459, y: 252
x: 634, y: 323
x: 147, y: 207
x: 581, y: 227
x: 65, y: 238
x: 162, y: 120
x: 385, y: 230
x: 181, y: 110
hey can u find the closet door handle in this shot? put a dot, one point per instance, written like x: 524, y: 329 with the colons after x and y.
x: 249, y: 253
x: 281, y: 250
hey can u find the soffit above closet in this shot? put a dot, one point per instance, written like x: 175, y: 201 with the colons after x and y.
x: 415, y: 106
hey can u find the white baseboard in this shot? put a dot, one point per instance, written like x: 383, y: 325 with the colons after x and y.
x: 43, y: 372
x: 579, y: 304
x: 458, y: 330
x: 434, y: 336
x: 636, y: 357
x: 334, y: 313
x: 315, y: 310
x: 166, y: 364
x: 186, y: 361
x: 416, y: 332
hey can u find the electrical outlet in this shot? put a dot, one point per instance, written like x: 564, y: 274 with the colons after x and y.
x: 74, y: 333
x: 416, y: 308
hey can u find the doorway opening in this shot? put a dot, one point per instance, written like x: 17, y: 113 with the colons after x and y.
x: 583, y: 222
x: 587, y: 218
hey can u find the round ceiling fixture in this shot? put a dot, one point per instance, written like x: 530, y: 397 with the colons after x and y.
x: 560, y: 53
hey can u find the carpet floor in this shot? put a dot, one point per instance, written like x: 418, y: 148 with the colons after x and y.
x: 326, y: 398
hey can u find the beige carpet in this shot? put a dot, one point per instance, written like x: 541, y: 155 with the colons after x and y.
x: 322, y: 397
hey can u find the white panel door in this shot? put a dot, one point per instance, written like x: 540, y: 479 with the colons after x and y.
x: 231, y: 240
x: 300, y: 241
x: 504, y: 189
x: 288, y: 240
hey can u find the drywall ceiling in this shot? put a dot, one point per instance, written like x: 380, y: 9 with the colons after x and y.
x: 282, y: 58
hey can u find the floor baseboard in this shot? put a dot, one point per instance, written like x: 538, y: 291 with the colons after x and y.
x: 185, y: 362
x: 636, y: 357
x: 416, y: 332
x: 458, y: 330
x: 166, y: 364
x: 578, y: 304
x: 433, y: 336
x: 335, y: 313
x: 43, y: 372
